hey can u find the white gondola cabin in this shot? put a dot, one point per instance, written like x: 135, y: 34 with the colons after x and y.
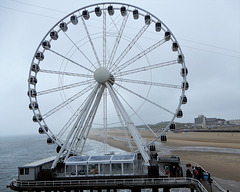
x: 41, y: 129
x: 135, y: 14
x: 110, y: 10
x: 74, y: 19
x: 54, y: 35
x: 167, y: 36
x: 46, y: 45
x: 123, y: 10
x: 147, y: 19
x: 172, y: 126
x: 35, y: 68
x: 180, y: 59
x: 179, y: 113
x: 63, y: 26
x: 184, y: 99
x: 158, y: 26
x: 33, y: 80
x: 50, y: 141
x: 174, y: 46
x: 85, y: 14
x: 185, y: 85
x: 32, y: 93
x: 33, y: 106
x: 163, y: 138
x: 98, y: 11
x: 37, y: 118
x: 184, y: 72
x: 39, y: 56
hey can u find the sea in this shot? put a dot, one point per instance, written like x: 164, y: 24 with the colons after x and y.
x: 16, y: 151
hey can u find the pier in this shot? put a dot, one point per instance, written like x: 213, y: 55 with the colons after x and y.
x: 133, y: 184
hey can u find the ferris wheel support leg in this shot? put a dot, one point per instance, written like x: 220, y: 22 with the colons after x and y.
x: 131, y: 127
x: 79, y: 128
x: 88, y: 124
x: 64, y: 147
x: 125, y: 131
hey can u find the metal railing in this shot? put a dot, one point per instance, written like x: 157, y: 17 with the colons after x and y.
x: 112, y: 182
x: 214, y: 182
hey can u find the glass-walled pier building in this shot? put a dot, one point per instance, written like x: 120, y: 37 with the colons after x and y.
x: 106, y: 165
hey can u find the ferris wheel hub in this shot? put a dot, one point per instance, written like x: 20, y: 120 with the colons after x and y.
x: 101, y: 75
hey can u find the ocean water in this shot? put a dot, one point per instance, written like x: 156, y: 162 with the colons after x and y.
x: 20, y: 150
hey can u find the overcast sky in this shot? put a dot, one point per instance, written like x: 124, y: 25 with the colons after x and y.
x: 208, y: 32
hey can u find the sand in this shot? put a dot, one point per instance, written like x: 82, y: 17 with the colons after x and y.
x: 225, y: 166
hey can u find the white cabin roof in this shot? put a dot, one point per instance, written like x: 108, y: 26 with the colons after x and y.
x: 39, y: 162
x: 77, y: 160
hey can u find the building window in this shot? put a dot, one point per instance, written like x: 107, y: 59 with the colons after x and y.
x: 104, y: 169
x: 93, y: 169
x: 27, y: 171
x: 116, y: 168
x: 127, y: 168
x: 71, y: 170
x: 21, y: 171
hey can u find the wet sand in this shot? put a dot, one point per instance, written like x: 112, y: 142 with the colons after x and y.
x: 220, y: 165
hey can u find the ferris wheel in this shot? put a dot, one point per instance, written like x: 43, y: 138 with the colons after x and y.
x: 102, y: 66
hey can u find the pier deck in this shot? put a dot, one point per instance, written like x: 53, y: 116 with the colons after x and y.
x: 134, y: 184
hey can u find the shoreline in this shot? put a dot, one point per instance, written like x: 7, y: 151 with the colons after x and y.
x: 221, y: 165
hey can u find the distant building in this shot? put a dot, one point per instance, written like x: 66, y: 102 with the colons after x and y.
x: 234, y: 122
x: 200, y: 120
x: 204, y: 122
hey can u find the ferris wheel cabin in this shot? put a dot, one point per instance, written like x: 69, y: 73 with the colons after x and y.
x: 135, y: 14
x: 74, y: 19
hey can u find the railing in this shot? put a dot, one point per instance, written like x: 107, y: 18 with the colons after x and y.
x: 220, y: 188
x: 112, y: 182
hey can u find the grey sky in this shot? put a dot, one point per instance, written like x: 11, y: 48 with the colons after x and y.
x: 208, y: 32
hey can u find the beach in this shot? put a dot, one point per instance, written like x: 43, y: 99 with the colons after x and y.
x: 216, y: 152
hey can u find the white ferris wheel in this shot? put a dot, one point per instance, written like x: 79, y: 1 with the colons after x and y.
x: 102, y: 66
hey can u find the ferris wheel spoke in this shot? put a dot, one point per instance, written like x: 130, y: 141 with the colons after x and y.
x: 68, y: 101
x: 130, y: 45
x: 80, y: 50
x: 91, y: 42
x: 70, y: 121
x: 64, y: 57
x: 135, y: 112
x: 138, y: 56
x: 65, y: 73
x: 150, y: 67
x: 104, y: 38
x: 149, y: 83
x: 64, y: 87
x: 105, y: 119
x: 118, y: 38
x: 140, y: 96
